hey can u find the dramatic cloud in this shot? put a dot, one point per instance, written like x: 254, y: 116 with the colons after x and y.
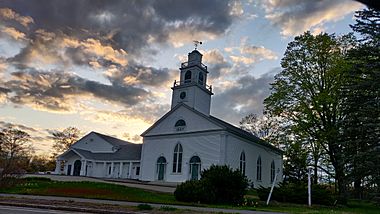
x: 10, y: 15
x: 141, y: 75
x: 296, y: 16
x: 249, y: 54
x: 13, y: 33
x: 244, y: 97
x: 216, y: 64
x: 129, y: 25
x: 58, y: 91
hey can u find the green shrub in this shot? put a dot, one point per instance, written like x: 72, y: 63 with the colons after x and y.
x: 297, y: 193
x: 218, y: 184
x: 37, y: 179
x: 144, y: 207
x: 189, y: 191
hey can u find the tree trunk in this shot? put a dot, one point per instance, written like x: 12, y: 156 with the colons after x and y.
x: 315, y: 177
x: 358, y: 188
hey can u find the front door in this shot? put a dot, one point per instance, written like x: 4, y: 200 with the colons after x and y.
x: 77, y: 167
x: 68, y: 169
x: 195, y: 166
x: 194, y: 171
x: 161, y: 164
x: 161, y: 170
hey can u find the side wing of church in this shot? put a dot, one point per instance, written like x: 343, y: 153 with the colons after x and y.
x: 98, y: 155
x: 182, y: 143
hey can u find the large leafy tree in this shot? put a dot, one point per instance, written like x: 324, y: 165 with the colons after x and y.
x: 361, y: 96
x: 305, y: 95
x: 64, y: 139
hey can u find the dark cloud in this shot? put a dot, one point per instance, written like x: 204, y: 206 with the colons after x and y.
x: 55, y: 90
x: 4, y: 90
x: 140, y: 75
x: 126, y: 24
x: 4, y: 124
x: 246, y: 96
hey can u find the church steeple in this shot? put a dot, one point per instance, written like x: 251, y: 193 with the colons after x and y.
x: 192, y: 88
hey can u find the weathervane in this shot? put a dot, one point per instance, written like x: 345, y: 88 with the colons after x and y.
x: 196, y: 43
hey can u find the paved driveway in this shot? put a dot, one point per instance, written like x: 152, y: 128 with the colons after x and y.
x: 129, y: 183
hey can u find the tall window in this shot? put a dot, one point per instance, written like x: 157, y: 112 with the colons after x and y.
x: 177, y: 159
x: 188, y: 76
x: 242, y: 163
x: 200, y: 78
x: 258, y: 169
x: 272, y: 171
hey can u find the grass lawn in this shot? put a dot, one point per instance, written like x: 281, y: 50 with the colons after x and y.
x: 43, y: 186
x: 84, y: 189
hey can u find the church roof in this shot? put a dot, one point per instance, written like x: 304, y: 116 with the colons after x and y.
x: 112, y: 140
x: 224, y: 126
x: 125, y: 152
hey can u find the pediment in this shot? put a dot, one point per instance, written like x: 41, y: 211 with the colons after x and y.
x: 195, y: 122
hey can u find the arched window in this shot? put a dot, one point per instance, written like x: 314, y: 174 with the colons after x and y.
x: 242, y: 163
x: 258, y: 169
x: 161, y: 165
x: 188, y: 76
x: 272, y: 171
x: 177, y: 159
x: 195, y: 167
x: 200, y: 78
x: 180, y: 125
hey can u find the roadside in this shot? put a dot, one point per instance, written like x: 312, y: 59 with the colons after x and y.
x: 106, y: 206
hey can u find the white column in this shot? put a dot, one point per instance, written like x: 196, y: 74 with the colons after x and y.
x: 105, y: 172
x: 83, y: 168
x: 58, y: 167
x: 112, y: 165
x: 130, y: 170
x: 121, y: 170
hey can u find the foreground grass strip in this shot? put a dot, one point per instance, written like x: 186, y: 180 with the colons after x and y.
x: 34, y: 186
x: 97, y: 190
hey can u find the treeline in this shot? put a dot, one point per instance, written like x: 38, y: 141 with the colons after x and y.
x: 17, y: 155
x: 324, y: 108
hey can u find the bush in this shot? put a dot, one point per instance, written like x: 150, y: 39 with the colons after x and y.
x: 218, y: 184
x: 144, y: 207
x: 297, y: 193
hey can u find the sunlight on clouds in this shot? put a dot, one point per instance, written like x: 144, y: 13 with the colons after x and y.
x: 242, y: 59
x: 236, y: 8
x: 12, y: 32
x: 9, y: 14
x: 95, y: 47
x: 295, y: 17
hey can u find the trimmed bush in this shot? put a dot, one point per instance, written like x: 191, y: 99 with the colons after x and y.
x: 297, y: 193
x: 144, y: 207
x: 218, y: 185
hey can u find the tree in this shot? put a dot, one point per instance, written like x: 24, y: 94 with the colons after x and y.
x: 14, y: 144
x: 361, y: 96
x: 264, y: 127
x: 305, y: 94
x: 64, y: 139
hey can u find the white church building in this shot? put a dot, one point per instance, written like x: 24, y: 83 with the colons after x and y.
x: 182, y: 143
